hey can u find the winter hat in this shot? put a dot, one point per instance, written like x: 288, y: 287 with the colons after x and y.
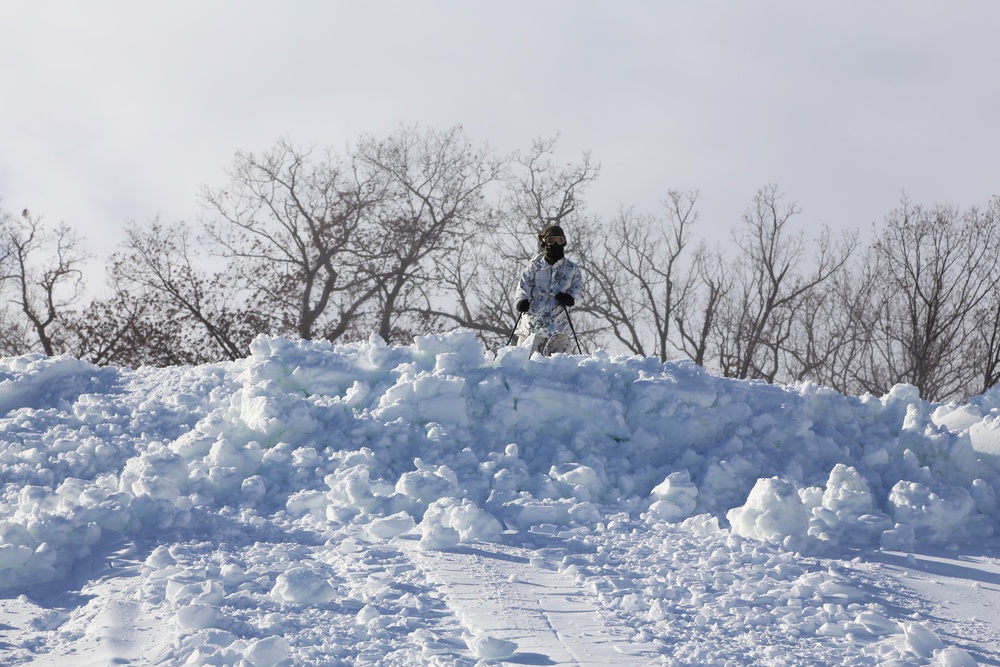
x: 551, y: 230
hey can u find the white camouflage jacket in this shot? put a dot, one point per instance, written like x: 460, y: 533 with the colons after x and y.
x: 540, y: 283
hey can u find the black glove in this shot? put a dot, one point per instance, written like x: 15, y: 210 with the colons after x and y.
x: 564, y: 299
x: 523, y: 305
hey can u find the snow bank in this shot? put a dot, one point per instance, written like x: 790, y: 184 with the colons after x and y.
x: 445, y: 442
x: 366, y: 429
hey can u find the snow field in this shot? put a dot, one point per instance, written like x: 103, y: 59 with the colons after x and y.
x: 271, y: 499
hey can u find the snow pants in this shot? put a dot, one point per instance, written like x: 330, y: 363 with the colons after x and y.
x: 546, y: 345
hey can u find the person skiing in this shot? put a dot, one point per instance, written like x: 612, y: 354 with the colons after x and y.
x: 548, y: 287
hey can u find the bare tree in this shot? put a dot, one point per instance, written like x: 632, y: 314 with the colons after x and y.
x: 105, y: 332
x: 293, y: 236
x: 756, y: 318
x: 14, y: 336
x: 46, y: 272
x: 161, y: 266
x: 638, y: 283
x: 829, y: 341
x: 542, y: 193
x: 135, y: 325
x: 710, y: 279
x: 436, y: 185
x: 987, y: 345
x: 935, y: 270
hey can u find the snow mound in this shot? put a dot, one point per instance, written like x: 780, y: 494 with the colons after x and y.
x: 308, y: 448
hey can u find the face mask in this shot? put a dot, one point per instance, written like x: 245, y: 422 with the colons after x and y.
x: 554, y: 252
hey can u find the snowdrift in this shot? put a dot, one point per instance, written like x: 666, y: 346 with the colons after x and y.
x: 445, y: 440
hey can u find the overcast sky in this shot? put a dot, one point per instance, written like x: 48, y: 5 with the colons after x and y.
x: 116, y: 111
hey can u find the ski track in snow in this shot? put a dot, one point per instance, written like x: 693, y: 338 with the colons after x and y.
x: 517, y: 594
x: 520, y: 589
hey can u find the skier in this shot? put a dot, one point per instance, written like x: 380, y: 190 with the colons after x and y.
x: 549, y: 286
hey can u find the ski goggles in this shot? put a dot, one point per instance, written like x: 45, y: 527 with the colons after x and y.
x: 555, y: 240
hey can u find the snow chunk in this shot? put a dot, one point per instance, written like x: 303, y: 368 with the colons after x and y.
x: 486, y: 647
x: 351, y: 489
x: 985, y: 435
x: 424, y: 398
x: 303, y: 585
x: 581, y: 482
x: 847, y: 494
x: 465, y: 517
x: 197, y: 617
x: 426, y: 484
x: 674, y: 499
x: 957, y: 418
x: 36, y: 381
x: 847, y: 509
x: 932, y: 513
x: 438, y: 537
x: 773, y: 513
x: 386, y: 528
x: 954, y: 657
x: 921, y: 640
x: 268, y: 652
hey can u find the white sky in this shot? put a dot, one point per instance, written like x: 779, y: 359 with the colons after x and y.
x: 113, y: 111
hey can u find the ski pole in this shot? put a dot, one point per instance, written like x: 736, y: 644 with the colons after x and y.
x: 570, y: 320
x: 509, y: 340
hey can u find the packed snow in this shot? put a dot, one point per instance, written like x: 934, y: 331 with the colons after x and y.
x: 442, y: 504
